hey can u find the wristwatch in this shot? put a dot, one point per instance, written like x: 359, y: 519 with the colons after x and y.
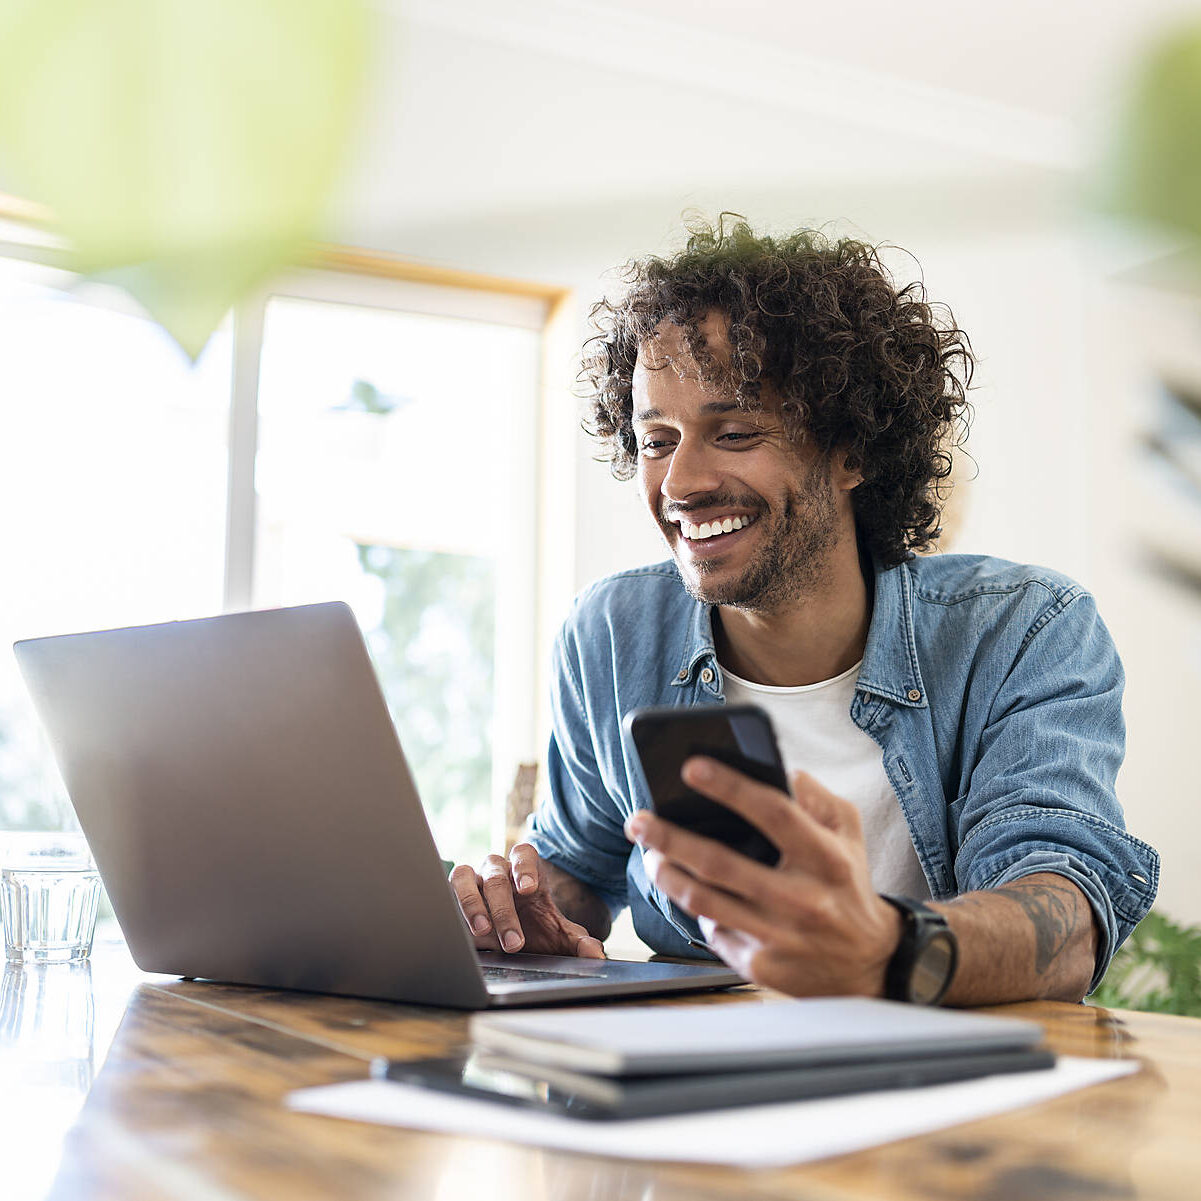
x: 923, y: 965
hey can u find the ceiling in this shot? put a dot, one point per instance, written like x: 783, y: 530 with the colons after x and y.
x: 1050, y: 57
x: 501, y: 136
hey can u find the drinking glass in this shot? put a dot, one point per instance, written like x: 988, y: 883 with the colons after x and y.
x: 49, y: 890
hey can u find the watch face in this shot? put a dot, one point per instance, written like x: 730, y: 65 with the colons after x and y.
x: 932, y: 969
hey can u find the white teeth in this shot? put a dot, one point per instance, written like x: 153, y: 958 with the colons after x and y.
x: 710, y: 529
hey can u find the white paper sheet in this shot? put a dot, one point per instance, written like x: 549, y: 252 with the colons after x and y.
x: 754, y: 1136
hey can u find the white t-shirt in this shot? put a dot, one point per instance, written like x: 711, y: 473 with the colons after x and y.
x: 816, y: 734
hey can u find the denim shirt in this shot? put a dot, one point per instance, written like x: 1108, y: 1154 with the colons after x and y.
x: 994, y: 691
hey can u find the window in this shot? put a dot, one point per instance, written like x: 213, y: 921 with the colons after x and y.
x: 112, y: 488
x: 395, y: 469
x: 345, y: 437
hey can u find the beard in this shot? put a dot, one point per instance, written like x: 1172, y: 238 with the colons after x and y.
x: 792, y: 558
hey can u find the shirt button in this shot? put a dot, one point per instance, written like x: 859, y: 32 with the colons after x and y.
x: 707, y: 676
x: 683, y: 674
x: 914, y: 694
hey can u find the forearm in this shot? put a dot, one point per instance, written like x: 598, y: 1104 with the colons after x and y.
x: 1033, y: 939
x: 577, y: 901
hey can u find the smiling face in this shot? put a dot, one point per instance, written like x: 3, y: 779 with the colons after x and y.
x: 750, y: 517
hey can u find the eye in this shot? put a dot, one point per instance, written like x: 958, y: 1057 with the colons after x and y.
x: 733, y: 439
x: 653, y: 446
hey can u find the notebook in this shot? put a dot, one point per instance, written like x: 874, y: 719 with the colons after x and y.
x: 633, y: 1040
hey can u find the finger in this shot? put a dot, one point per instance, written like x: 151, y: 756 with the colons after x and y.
x: 487, y: 942
x: 792, y: 895
x: 523, y: 860
x: 703, y: 900
x: 824, y: 806
x: 803, y: 839
x: 789, y: 899
x: 497, y: 887
x: 704, y: 858
x: 586, y: 946
x: 466, y: 886
x: 732, y: 947
x: 651, y: 860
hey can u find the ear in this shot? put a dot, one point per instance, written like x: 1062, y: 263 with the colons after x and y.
x: 843, y: 476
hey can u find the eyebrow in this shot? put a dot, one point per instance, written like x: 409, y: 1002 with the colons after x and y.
x: 714, y: 406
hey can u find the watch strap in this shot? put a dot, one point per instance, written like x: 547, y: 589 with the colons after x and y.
x: 920, y: 926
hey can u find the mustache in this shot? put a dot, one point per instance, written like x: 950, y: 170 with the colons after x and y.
x: 714, y: 500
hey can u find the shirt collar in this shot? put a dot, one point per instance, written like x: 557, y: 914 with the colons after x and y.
x: 698, y: 643
x: 890, y: 668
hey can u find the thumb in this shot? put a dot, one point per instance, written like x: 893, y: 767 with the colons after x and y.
x: 590, y: 948
x: 817, y: 800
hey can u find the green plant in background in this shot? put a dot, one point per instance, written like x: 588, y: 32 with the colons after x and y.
x: 434, y: 650
x: 186, y: 151
x: 1153, y: 170
x: 1158, y: 969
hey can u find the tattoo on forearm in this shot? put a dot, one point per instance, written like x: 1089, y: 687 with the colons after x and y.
x: 1052, y: 913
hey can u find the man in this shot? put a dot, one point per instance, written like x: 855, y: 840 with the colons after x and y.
x: 952, y: 723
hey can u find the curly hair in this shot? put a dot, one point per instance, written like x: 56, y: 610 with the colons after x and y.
x: 855, y: 364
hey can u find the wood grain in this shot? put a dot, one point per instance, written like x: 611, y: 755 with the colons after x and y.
x: 189, y: 1105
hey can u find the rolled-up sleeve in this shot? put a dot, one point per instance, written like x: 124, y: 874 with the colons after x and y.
x: 1042, y: 793
x: 578, y: 827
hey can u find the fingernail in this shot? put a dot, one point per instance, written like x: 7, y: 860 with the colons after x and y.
x: 701, y: 769
x: 525, y: 883
x: 636, y: 825
x: 479, y: 924
x: 512, y: 940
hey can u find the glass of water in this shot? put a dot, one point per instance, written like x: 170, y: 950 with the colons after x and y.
x: 49, y: 890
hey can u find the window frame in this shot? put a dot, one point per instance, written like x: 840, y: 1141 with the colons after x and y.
x: 379, y: 279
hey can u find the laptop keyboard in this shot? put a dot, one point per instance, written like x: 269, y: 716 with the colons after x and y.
x: 530, y: 975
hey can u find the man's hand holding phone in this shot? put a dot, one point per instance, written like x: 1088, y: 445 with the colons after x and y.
x: 810, y: 925
x: 508, y: 906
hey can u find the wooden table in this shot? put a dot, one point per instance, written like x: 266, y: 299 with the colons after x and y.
x: 187, y: 1103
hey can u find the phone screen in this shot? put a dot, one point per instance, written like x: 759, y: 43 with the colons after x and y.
x: 494, y: 1078
x: 740, y: 736
x: 486, y: 1076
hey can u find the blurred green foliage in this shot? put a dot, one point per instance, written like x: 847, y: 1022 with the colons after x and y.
x: 365, y: 397
x: 1158, y: 969
x: 434, y: 651
x: 1153, y: 170
x: 186, y: 150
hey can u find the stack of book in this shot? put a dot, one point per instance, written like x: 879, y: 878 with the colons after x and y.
x: 631, y: 1061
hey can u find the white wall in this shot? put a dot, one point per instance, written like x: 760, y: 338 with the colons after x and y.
x: 1140, y: 332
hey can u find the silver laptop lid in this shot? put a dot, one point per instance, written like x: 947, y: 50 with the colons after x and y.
x: 249, y: 807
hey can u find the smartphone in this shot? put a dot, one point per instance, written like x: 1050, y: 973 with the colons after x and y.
x: 740, y: 736
x: 491, y: 1077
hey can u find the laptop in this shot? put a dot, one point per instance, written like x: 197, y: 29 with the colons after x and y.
x: 247, y: 802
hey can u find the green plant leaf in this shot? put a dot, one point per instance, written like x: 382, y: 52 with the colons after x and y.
x: 1158, y: 970
x: 187, y: 151
x: 1153, y: 170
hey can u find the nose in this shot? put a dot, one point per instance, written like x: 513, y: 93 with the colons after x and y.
x: 690, y: 470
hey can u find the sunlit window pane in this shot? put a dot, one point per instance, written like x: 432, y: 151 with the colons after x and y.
x: 395, y: 471
x: 112, y: 490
